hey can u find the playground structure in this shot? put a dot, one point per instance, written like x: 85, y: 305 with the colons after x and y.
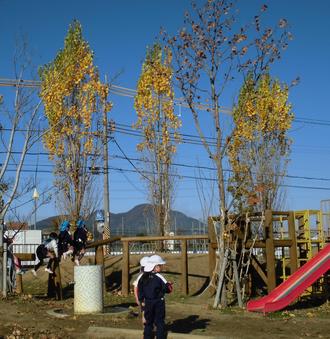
x: 269, y: 247
x: 295, y: 285
x: 273, y: 245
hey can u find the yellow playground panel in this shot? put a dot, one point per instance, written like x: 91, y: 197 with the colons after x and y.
x: 310, y: 239
x: 310, y: 234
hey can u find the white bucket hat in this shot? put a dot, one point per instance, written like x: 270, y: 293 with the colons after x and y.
x: 144, y: 261
x: 153, y: 261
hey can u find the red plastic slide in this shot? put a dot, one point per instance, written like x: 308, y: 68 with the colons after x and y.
x: 295, y: 285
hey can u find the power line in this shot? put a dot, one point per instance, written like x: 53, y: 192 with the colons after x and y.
x: 128, y: 92
x: 126, y: 129
x: 32, y: 199
x: 212, y: 179
x: 115, y: 89
x: 130, y: 159
x: 121, y: 150
x: 180, y: 176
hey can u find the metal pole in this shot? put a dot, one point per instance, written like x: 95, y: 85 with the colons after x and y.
x: 35, y: 214
x: 35, y: 196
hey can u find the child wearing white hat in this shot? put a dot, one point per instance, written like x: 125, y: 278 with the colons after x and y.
x: 143, y: 262
x: 152, y: 287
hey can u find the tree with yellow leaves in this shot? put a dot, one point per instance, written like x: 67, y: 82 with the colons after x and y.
x: 156, y: 117
x: 213, y: 48
x: 72, y: 95
x: 259, y: 147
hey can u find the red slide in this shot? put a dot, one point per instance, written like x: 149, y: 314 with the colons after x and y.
x: 295, y: 285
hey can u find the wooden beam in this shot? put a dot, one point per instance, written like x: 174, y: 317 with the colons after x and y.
x: 262, y: 243
x: 125, y: 270
x: 270, y: 250
x: 26, y: 256
x: 184, y: 267
x: 293, y: 247
x: 212, y: 246
x: 19, y: 284
x: 175, y: 237
x: 259, y: 269
x: 102, y: 242
x: 99, y: 257
x: 54, y: 281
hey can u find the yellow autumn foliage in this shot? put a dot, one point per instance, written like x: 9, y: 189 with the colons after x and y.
x: 70, y: 90
x: 73, y: 96
x: 154, y: 104
x: 262, y: 118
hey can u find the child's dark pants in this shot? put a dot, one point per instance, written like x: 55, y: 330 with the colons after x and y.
x: 42, y: 254
x: 154, y: 313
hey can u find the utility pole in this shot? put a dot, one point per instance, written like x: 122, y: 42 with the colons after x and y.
x: 2, y: 268
x: 106, y: 231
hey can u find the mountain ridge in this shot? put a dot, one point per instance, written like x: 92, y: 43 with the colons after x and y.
x: 139, y: 220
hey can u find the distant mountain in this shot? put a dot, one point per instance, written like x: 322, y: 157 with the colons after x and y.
x: 137, y: 221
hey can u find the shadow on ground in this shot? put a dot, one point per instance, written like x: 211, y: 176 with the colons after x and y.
x: 188, y: 324
x: 308, y: 302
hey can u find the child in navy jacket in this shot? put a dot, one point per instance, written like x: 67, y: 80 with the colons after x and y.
x: 65, y: 241
x: 152, y: 287
x: 79, y: 240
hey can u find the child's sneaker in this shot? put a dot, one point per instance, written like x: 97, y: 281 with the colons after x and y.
x: 34, y: 272
x: 49, y: 270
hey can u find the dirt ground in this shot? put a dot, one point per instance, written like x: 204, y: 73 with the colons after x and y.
x: 28, y: 316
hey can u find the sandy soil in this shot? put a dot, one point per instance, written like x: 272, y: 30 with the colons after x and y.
x: 27, y: 316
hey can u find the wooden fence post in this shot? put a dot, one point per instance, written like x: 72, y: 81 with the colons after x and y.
x: 211, y: 247
x: 125, y: 269
x: 99, y: 257
x: 184, y: 267
x: 293, y: 247
x: 19, y: 284
x: 99, y: 260
x: 270, y: 250
x: 54, y: 281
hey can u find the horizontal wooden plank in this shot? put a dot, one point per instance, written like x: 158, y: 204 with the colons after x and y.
x: 175, y: 237
x: 102, y: 242
x: 26, y: 256
x: 262, y: 243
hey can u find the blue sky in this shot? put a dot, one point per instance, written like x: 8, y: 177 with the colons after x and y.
x: 119, y: 32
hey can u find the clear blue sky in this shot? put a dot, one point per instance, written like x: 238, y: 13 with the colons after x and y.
x: 119, y: 31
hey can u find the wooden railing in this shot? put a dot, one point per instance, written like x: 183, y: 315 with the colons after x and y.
x: 99, y: 259
x: 99, y: 256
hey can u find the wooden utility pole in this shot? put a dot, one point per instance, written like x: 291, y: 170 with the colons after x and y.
x: 106, y: 231
x: 2, y: 269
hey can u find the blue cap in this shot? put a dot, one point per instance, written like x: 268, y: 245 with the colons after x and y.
x: 80, y: 224
x: 65, y: 225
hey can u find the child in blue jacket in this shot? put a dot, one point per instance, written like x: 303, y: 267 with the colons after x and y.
x: 152, y: 288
